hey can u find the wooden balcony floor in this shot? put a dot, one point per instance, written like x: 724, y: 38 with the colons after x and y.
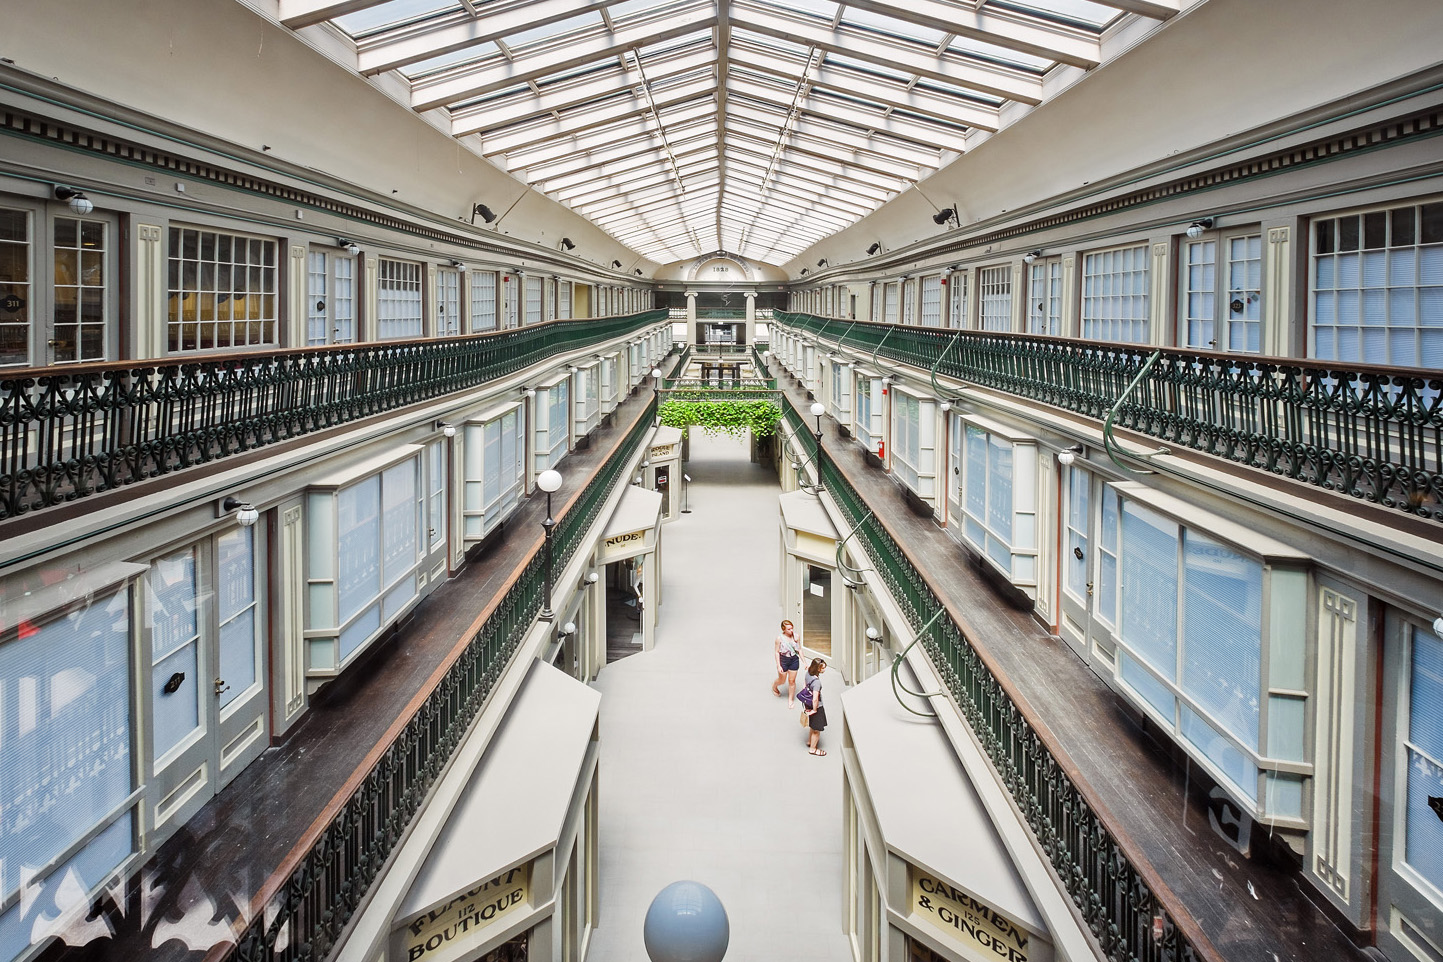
x: 1251, y: 910
x: 187, y: 899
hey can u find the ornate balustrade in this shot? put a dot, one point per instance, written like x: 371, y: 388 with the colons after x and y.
x: 69, y: 432
x: 312, y: 905
x: 1121, y: 902
x: 1375, y: 433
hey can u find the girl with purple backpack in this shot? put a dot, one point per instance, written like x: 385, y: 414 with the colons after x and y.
x: 810, y: 695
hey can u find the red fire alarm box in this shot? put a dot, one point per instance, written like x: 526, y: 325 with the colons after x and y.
x: 882, y: 450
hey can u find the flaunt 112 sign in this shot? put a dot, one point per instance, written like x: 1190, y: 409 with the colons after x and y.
x: 447, y: 931
x: 985, y: 932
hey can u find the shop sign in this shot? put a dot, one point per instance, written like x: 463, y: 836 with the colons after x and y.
x: 969, y: 921
x: 663, y: 451
x: 631, y: 537
x: 445, y: 931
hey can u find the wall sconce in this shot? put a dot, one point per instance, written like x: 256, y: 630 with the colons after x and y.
x: 75, y: 199
x: 945, y: 406
x: 945, y: 215
x: 804, y: 271
x: 349, y: 246
x: 568, y: 244
x: 1199, y: 227
x: 245, y: 513
x: 446, y: 428
x: 591, y: 578
x: 527, y: 392
x: 616, y: 264
x: 872, y: 633
x: 1031, y: 256
x: 1438, y: 626
x: 461, y: 266
x: 487, y: 214
x: 568, y: 629
x: 876, y: 246
x: 1068, y: 454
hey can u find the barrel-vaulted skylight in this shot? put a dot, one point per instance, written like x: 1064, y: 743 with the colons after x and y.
x: 683, y: 127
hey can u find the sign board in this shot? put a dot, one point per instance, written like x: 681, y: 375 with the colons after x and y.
x: 630, y: 538
x: 449, y: 930
x: 662, y: 451
x: 967, y: 921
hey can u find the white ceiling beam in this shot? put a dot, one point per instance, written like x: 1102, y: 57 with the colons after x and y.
x: 889, y: 127
x: 529, y: 105
x: 837, y: 136
x: 634, y: 149
x: 638, y: 199
x: 975, y: 75
x: 1152, y: 9
x: 557, y: 186
x: 302, y: 13
x: 461, y: 30
x: 749, y: 181
x: 590, y: 118
x: 1002, y: 28
x: 822, y: 165
x: 853, y: 82
x: 838, y: 188
x: 636, y: 179
x: 860, y: 160
x: 606, y: 136
x: 585, y: 47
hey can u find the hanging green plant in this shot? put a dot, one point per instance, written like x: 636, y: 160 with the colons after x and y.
x: 735, y: 418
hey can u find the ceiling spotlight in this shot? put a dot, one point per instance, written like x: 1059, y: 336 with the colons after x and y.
x: 944, y: 215
x: 487, y: 214
x: 349, y: 246
x: 616, y: 263
x: 76, y: 199
x: 638, y: 272
x: 567, y: 244
x: 1199, y: 227
x: 822, y: 262
x: 1031, y: 256
x: 876, y: 246
x: 805, y: 269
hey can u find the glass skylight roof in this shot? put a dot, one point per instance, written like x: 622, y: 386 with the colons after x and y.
x: 613, y: 108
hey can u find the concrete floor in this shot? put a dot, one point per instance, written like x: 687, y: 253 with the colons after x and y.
x: 704, y: 774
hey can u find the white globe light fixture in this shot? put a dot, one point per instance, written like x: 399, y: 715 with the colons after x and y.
x: 548, y: 481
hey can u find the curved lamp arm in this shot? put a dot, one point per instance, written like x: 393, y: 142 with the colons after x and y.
x: 897, y: 664
x: 1109, y: 443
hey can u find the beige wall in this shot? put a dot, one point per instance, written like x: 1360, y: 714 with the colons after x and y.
x: 218, y: 68
x: 1223, y: 68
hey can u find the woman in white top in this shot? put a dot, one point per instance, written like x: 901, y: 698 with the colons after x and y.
x: 786, y: 649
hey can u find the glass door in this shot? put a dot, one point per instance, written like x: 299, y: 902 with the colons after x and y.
x: 817, y: 609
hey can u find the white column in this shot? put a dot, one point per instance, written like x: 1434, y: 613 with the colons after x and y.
x: 691, y: 317
x: 751, y: 318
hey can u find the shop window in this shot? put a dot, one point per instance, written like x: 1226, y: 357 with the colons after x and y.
x: 222, y: 291
x: 398, y: 300
x: 495, y: 471
x: 1423, y: 752
x: 932, y: 301
x: 957, y: 309
x: 1191, y: 622
x: 1115, y: 295
x: 994, y: 297
x: 914, y: 442
x: 563, y: 300
x: 483, y: 300
x: 869, y: 411
x: 364, y: 552
x: 588, y: 406
x: 909, y: 301
x: 448, y: 302
x: 1222, y: 305
x: 997, y: 496
x: 841, y: 394
x: 533, y: 300
x: 608, y: 384
x: 877, y: 295
x: 16, y: 292
x: 1044, y: 296
x: 1079, y: 484
x: 510, y: 301
x: 552, y: 423
x: 330, y: 298
x: 1377, y: 287
x: 891, y: 306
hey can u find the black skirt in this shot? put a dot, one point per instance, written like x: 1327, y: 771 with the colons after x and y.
x: 817, y: 720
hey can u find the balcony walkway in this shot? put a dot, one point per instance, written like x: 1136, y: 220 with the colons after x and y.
x: 705, y: 775
x: 205, y: 876
x: 1251, y: 910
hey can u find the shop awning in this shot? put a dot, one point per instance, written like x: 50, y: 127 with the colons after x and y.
x: 801, y: 511
x: 516, y: 804
x: 927, y: 809
x: 639, y: 510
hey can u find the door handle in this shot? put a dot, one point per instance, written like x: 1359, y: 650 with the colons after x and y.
x: 1089, y: 589
x: 221, y: 686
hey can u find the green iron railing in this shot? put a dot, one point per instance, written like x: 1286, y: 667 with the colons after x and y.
x: 315, y: 902
x: 1118, y: 900
x: 720, y: 314
x: 1374, y: 433
x: 69, y: 432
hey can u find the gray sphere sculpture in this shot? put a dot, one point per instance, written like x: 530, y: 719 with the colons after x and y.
x: 686, y: 923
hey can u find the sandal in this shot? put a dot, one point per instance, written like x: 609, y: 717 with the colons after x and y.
x: 815, y: 751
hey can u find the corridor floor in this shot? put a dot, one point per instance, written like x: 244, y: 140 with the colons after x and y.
x: 704, y: 774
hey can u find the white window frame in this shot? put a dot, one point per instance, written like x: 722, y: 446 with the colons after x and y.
x: 400, y: 312
x: 1116, y: 294
x: 1044, y: 297
x: 914, y: 441
x: 1013, y: 552
x: 586, y: 393
x: 932, y: 301
x: 869, y: 405
x: 1220, y: 294
x: 448, y: 302
x: 535, y: 293
x: 494, y: 469
x: 253, y: 287
x: 957, y: 300
x: 331, y: 297
x: 994, y: 298
x: 552, y: 432
x: 481, y: 290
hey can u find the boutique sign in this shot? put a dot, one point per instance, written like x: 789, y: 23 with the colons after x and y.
x: 447, y: 931
x: 984, y: 932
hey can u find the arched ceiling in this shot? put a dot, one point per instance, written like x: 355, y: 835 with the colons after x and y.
x: 682, y: 127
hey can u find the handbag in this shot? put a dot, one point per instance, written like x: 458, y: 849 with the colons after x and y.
x: 804, y: 718
x: 804, y: 695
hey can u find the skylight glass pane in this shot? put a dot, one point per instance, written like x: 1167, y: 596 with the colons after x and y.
x: 525, y: 38
x: 366, y: 21
x: 877, y: 23
x: 423, y: 67
x: 862, y: 66
x: 968, y: 47
x: 1076, y: 12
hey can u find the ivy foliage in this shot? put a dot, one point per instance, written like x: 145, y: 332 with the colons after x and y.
x: 732, y: 417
